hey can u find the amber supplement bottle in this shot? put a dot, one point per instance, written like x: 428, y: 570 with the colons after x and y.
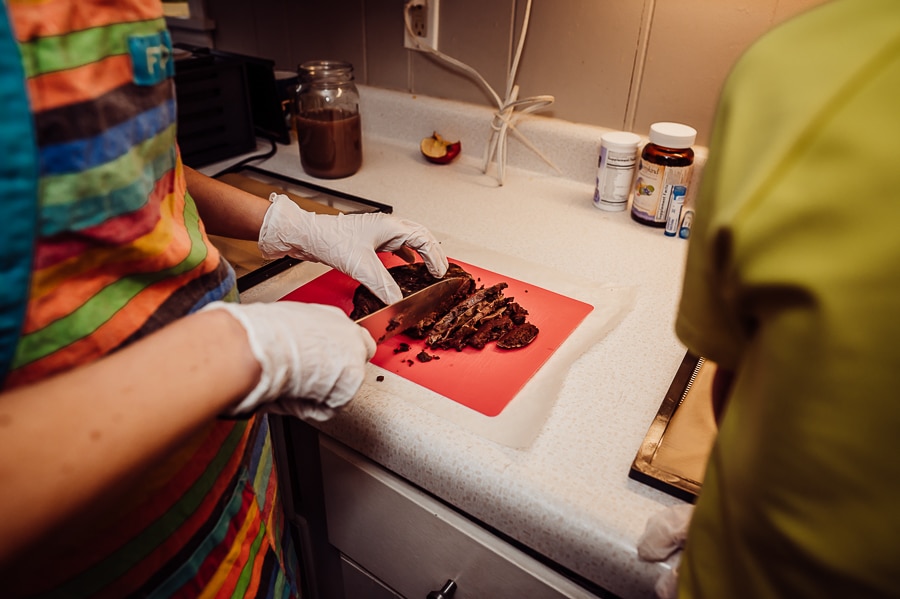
x: 666, y: 162
x: 327, y: 120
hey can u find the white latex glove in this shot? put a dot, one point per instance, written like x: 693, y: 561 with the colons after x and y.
x: 666, y: 533
x: 347, y: 242
x: 313, y: 357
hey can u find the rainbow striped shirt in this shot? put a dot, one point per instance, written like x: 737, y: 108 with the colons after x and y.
x: 120, y: 251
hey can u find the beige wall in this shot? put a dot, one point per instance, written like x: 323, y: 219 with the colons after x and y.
x: 621, y: 64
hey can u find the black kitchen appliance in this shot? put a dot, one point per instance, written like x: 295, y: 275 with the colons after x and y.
x: 225, y: 101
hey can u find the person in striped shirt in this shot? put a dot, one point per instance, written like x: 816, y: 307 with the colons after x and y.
x: 121, y: 339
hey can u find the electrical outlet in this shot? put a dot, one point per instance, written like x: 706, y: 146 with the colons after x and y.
x: 423, y: 17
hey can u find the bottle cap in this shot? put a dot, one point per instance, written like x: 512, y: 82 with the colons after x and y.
x: 620, y: 140
x: 672, y: 135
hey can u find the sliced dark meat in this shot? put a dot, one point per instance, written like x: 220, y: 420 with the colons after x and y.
x: 518, y: 337
x: 411, y: 278
x: 490, y: 329
x: 517, y: 313
x: 494, y: 326
x: 473, y: 317
x: 469, y: 322
x: 459, y: 314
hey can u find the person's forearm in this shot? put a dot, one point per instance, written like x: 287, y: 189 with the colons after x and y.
x: 70, y: 438
x: 224, y: 209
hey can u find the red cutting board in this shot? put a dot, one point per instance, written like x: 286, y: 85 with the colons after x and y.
x: 484, y: 380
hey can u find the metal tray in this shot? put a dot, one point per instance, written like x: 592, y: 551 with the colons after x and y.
x: 672, y: 457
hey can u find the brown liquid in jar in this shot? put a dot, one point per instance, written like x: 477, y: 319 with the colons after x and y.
x: 330, y: 143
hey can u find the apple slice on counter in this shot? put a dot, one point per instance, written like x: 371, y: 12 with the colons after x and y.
x: 438, y: 150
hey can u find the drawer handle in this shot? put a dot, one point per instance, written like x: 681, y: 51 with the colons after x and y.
x: 446, y: 591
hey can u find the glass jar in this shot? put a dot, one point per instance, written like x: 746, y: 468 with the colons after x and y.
x: 326, y: 118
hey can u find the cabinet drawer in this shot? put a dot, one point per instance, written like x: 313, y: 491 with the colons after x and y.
x: 359, y: 583
x: 413, y: 543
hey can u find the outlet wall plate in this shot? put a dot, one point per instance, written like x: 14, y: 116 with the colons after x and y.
x: 425, y: 21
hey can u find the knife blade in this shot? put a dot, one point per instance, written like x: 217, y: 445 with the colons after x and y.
x: 401, y: 315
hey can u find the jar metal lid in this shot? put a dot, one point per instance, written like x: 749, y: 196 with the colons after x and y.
x: 326, y: 69
x: 672, y: 135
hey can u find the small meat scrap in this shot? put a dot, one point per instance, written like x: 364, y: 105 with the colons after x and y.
x: 403, y: 347
x: 424, y: 356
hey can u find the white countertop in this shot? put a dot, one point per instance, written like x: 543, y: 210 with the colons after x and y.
x: 567, y: 495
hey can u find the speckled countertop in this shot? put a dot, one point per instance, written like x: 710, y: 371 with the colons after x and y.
x: 566, y: 494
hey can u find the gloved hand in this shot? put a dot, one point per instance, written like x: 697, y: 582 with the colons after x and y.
x: 348, y: 243
x: 666, y: 533
x: 313, y: 357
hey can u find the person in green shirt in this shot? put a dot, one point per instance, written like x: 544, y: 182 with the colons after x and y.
x: 792, y: 287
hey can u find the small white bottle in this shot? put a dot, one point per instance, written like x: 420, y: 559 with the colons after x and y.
x: 615, y: 171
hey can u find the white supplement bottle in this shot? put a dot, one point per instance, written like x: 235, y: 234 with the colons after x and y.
x: 615, y: 171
